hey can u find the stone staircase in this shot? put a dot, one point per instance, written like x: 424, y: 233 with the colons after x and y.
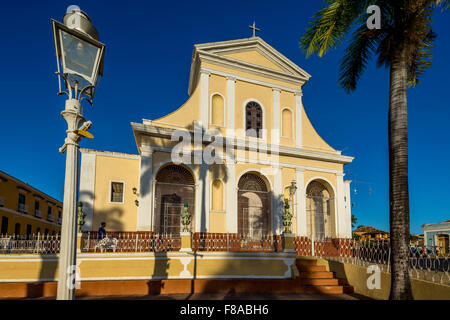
x: 316, y: 279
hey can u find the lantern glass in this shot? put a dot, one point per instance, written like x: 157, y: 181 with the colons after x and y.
x: 79, y: 58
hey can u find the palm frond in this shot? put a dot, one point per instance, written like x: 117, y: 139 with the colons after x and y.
x: 329, y: 26
x: 421, y: 45
x: 444, y: 4
x: 357, y: 55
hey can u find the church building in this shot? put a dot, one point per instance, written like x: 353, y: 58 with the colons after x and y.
x: 245, y: 111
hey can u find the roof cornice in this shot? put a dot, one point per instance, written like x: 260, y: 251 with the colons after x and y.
x: 140, y: 129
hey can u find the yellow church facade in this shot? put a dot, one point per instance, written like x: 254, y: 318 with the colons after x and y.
x: 228, y: 155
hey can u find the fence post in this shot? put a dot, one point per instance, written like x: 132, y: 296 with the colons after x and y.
x: 137, y: 236
x: 186, y: 241
x: 79, y: 241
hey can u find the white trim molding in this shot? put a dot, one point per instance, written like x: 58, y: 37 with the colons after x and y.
x: 110, y: 192
x: 145, y: 209
x: 298, y: 120
x: 87, y: 187
x: 276, y: 112
x: 204, y: 99
x: 301, y: 203
x: 231, y: 90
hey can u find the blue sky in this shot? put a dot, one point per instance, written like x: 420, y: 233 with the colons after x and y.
x: 149, y: 48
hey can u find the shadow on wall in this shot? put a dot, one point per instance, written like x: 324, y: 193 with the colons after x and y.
x: 229, y: 267
x: 112, y: 216
x: 49, y: 264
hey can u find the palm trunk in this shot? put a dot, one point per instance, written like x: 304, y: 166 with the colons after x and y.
x: 398, y: 181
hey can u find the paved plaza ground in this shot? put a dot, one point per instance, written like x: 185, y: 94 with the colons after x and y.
x: 225, y: 296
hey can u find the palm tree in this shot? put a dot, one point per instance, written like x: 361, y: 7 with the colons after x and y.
x: 403, y: 44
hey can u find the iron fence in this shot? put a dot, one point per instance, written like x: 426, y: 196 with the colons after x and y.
x: 36, y: 243
x: 130, y: 242
x: 430, y: 263
x: 205, y: 241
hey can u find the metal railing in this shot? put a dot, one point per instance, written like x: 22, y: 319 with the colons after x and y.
x: 130, y: 242
x: 36, y: 243
x: 37, y: 213
x: 50, y: 217
x: 2, y: 202
x: 430, y: 263
x: 205, y: 241
x: 23, y: 208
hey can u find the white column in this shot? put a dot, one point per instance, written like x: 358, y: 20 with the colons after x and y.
x: 276, y: 116
x: 87, y: 188
x: 340, y: 206
x: 145, y: 209
x: 348, y: 210
x: 277, y: 201
x: 202, y: 200
x: 231, y: 199
x: 204, y: 99
x: 298, y: 120
x: 301, y: 203
x: 231, y: 89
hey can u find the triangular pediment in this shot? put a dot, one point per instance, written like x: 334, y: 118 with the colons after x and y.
x: 252, y: 54
x: 255, y: 56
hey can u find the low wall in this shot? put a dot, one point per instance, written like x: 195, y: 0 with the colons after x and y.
x: 34, y: 269
x: 357, y: 276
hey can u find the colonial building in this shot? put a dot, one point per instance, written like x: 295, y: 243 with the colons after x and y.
x: 24, y: 210
x: 437, y: 235
x: 244, y: 111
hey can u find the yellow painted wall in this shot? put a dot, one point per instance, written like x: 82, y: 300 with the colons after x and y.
x: 10, y: 193
x: 128, y: 266
x: 254, y: 57
x: 118, y: 216
x: 357, y: 277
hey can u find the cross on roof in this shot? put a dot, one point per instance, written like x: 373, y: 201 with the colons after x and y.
x: 254, y: 28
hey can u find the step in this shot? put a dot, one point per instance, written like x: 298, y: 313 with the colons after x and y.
x: 306, y: 262
x: 319, y: 282
x: 324, y: 289
x: 311, y: 268
x: 316, y: 274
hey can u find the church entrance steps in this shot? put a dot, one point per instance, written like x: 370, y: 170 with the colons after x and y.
x: 307, y: 268
x: 320, y: 282
x: 316, y: 274
x: 316, y: 278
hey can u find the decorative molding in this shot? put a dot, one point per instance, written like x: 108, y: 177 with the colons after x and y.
x: 110, y: 153
x: 251, y: 80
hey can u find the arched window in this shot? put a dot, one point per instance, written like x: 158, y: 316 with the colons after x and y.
x: 286, y: 123
x: 175, y: 186
x: 319, y: 206
x: 253, y: 206
x: 217, y: 195
x: 253, y: 120
x: 217, y: 110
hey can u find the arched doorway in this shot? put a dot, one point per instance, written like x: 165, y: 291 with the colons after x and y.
x: 319, y: 211
x: 175, y: 186
x: 253, y: 206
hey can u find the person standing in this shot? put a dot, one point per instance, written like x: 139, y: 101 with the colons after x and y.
x: 102, y: 231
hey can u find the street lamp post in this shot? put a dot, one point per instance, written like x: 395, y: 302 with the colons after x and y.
x: 80, y: 56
